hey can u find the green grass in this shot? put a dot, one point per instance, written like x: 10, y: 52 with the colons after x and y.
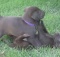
x: 51, y: 21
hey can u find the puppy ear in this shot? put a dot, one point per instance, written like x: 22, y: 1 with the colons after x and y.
x: 35, y: 15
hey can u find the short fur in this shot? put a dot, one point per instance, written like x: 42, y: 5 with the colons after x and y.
x: 20, y: 42
x: 12, y: 25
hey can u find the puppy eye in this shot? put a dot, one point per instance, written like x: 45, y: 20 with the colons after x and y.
x: 25, y: 39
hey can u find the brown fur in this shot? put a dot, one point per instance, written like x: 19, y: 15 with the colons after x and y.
x: 45, y: 38
x: 20, y: 42
x: 12, y: 25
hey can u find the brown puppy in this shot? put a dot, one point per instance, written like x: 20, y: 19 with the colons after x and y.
x: 11, y: 25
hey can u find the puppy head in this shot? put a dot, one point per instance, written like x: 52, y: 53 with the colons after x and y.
x: 34, y: 12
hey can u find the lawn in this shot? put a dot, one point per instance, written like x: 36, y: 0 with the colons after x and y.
x: 51, y: 21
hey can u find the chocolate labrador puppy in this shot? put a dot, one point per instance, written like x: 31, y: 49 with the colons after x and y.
x: 12, y: 25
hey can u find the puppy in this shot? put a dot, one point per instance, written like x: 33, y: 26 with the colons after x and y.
x: 12, y: 25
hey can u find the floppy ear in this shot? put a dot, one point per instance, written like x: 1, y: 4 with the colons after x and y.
x: 35, y: 16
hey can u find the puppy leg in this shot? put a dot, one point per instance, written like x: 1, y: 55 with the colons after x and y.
x: 20, y: 42
x: 43, y: 27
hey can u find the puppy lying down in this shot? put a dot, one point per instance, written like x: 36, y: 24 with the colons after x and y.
x: 15, y: 25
